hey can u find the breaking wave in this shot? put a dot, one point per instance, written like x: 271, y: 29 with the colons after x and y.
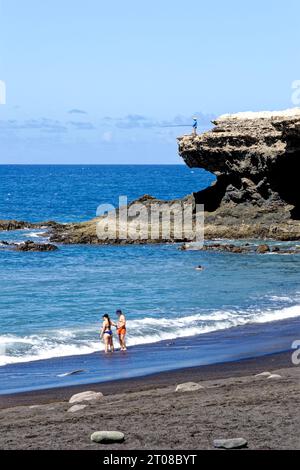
x: 85, y: 340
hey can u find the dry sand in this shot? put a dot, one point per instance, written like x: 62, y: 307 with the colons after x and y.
x: 233, y: 403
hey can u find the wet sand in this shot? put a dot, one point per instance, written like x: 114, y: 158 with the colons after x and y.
x: 233, y: 403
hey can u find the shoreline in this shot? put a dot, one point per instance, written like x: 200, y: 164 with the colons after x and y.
x: 208, y: 350
x: 222, y: 370
x: 231, y: 402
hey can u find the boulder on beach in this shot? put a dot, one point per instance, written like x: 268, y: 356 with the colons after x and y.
x: 86, y: 396
x: 107, y: 437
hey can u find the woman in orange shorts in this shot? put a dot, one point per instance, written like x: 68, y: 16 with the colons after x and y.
x: 121, y: 329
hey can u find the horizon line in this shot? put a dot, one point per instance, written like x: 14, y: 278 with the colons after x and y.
x: 92, y: 164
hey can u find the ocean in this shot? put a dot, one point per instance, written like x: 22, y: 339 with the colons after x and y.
x: 51, y: 304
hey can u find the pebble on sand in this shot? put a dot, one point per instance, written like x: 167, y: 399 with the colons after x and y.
x: 75, y: 408
x: 235, y: 443
x: 86, y: 396
x: 274, y: 376
x: 188, y: 387
x: 107, y: 437
x: 263, y: 374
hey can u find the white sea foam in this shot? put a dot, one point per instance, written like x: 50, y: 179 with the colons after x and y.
x: 34, y: 234
x: 78, y: 341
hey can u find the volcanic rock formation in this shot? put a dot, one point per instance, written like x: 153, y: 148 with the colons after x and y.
x: 256, y: 159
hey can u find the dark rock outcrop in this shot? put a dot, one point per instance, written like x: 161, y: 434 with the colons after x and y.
x: 32, y: 246
x: 256, y: 160
x: 7, y: 225
x: 28, y: 245
x: 263, y: 249
x: 10, y: 225
x: 239, y: 249
x: 86, y: 232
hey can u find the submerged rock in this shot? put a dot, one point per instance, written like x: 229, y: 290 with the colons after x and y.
x: 107, y: 437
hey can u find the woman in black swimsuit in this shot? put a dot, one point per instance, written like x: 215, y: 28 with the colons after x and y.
x: 106, y: 333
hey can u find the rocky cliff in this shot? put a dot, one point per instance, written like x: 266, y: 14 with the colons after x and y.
x: 256, y: 160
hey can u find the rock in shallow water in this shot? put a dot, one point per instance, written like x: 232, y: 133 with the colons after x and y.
x: 235, y: 443
x: 263, y: 249
x: 86, y: 396
x: 32, y: 246
x: 106, y: 437
x: 188, y: 387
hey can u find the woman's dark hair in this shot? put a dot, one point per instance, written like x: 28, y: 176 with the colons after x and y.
x: 107, y: 317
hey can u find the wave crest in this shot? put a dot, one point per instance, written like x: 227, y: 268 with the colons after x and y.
x: 78, y: 341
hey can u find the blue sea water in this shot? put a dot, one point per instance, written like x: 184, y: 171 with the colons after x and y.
x: 51, y: 303
x: 69, y: 193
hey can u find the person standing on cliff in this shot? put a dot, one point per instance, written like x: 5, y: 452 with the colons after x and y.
x: 195, y: 125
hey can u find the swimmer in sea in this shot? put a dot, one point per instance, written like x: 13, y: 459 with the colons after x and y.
x: 199, y: 268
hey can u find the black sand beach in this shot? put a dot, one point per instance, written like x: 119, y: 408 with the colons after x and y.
x: 152, y: 415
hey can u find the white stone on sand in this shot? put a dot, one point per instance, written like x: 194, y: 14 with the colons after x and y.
x: 188, y: 387
x: 263, y: 374
x: 86, y: 396
x: 234, y: 443
x: 75, y: 408
x: 106, y: 437
x: 274, y: 376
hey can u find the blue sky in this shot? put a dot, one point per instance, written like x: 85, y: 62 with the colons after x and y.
x: 100, y: 82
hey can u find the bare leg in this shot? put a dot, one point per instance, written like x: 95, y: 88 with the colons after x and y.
x: 106, y: 342
x: 122, y: 342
